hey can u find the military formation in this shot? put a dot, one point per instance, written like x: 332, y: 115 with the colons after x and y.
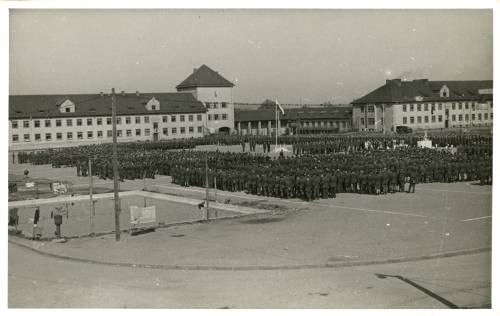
x: 321, y: 166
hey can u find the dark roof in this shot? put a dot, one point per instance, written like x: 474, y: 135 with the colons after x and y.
x: 294, y: 114
x: 46, y: 106
x: 204, y: 77
x: 405, y: 91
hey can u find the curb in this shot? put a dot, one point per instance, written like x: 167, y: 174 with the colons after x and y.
x: 254, y: 268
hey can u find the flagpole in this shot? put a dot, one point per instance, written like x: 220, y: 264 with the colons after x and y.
x: 277, y: 116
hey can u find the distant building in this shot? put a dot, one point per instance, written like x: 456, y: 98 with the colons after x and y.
x: 305, y: 120
x: 424, y: 104
x: 207, y: 86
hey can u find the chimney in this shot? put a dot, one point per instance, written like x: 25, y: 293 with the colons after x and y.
x: 101, y: 93
x: 137, y: 93
x: 123, y: 93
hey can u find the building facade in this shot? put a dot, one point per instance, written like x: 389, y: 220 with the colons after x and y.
x: 424, y: 104
x: 305, y: 120
x: 49, y: 121
x: 215, y: 92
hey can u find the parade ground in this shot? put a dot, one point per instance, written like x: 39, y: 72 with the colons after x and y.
x: 440, y: 236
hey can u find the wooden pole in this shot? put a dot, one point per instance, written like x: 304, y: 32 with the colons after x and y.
x: 115, y: 168
x: 206, y: 182
x: 91, y: 189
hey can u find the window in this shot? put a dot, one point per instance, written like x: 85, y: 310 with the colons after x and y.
x: 15, y: 138
x: 99, y: 121
x: 440, y: 106
x: 147, y: 132
x: 89, y: 122
x: 412, y: 120
x: 119, y: 133
x: 48, y: 136
x: 183, y: 130
x: 404, y: 107
x: 109, y: 121
x: 190, y: 117
x: 90, y: 134
x: 15, y: 125
x: 460, y: 117
x: 198, y: 117
x: 26, y: 124
x: 466, y: 117
x: 128, y: 120
x: 47, y: 123
x: 433, y: 119
x: 69, y: 122
x: 109, y: 133
x: 38, y: 137
x: 453, y: 106
x: 69, y: 135
x: 153, y: 107
x: 216, y: 105
x: 174, y: 130
x: 426, y: 107
x: 419, y: 119
x: 137, y: 120
x: 165, y: 131
x: 173, y: 118
x: 459, y: 105
x: 79, y: 135
x: 78, y: 122
x: 473, y: 117
x: 58, y: 123
x: 208, y: 105
x: 26, y: 137
x: 491, y: 116
x: 473, y: 106
x: 199, y: 129
x: 362, y: 120
x: 209, y: 117
x: 478, y: 116
x: 146, y: 119
x: 371, y: 121
x: 59, y: 136
x: 419, y: 107
x: 37, y: 123
x: 118, y: 120
x: 67, y: 110
x: 453, y: 118
x: 466, y: 105
x: 440, y: 118
x: 99, y: 134
x: 223, y: 105
x: 216, y: 117
x: 191, y: 129
x: 371, y: 108
x: 411, y: 107
x: 182, y: 118
x: 129, y: 133
x: 426, y: 119
x: 224, y: 116
x: 164, y: 119
x: 137, y: 132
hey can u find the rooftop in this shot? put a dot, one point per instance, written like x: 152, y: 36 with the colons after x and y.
x: 204, y: 77
x: 296, y: 114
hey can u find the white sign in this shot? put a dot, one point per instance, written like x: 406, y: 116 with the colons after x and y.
x: 426, y: 143
x: 142, y: 215
x: 30, y: 184
x: 59, y: 187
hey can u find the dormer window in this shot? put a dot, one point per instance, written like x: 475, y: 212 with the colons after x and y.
x: 67, y: 106
x: 444, y: 92
x: 153, y: 105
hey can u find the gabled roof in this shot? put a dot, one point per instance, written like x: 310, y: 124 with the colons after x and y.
x: 268, y: 104
x: 47, y: 106
x: 204, y: 77
x: 406, y: 91
x: 294, y: 114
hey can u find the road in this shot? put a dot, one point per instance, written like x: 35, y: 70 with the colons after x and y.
x: 41, y: 281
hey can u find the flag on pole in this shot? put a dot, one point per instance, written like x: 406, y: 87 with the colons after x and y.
x: 280, y: 107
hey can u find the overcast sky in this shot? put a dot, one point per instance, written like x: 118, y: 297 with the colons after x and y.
x: 292, y: 55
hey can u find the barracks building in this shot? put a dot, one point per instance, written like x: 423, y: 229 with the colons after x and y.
x: 202, y: 103
x: 424, y: 104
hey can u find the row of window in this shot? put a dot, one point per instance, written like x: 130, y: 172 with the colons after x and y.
x: 453, y: 118
x: 100, y: 121
x: 109, y: 133
x: 432, y: 106
x: 216, y: 105
x: 216, y: 117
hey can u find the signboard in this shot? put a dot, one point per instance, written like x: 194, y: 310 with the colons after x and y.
x: 426, y: 143
x: 30, y: 184
x: 142, y: 215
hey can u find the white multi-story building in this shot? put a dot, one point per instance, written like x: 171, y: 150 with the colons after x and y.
x: 44, y: 121
x: 215, y: 91
x: 424, y: 104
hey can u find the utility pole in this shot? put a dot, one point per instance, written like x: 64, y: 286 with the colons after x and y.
x: 206, y: 176
x: 91, y: 189
x: 115, y: 168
